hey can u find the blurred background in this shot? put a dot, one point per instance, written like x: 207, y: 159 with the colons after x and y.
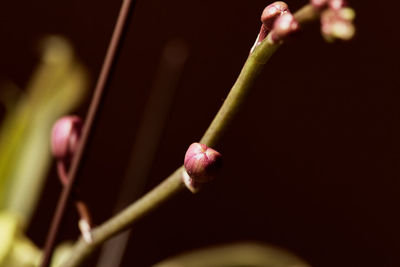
x: 311, y: 164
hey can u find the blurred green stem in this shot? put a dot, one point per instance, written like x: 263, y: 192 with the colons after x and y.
x: 173, y: 184
x: 55, y: 88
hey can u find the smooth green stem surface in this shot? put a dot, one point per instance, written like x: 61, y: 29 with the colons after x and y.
x: 245, y: 81
x: 173, y: 184
x: 238, y: 93
x: 164, y: 191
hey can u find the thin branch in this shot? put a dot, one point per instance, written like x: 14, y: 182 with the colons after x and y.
x: 173, y: 184
x: 104, y: 77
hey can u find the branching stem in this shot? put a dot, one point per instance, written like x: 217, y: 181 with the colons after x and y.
x: 173, y: 184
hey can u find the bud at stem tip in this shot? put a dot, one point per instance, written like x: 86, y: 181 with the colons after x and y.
x: 283, y: 27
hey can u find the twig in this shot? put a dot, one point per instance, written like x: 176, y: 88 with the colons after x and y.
x: 173, y: 184
x: 84, y: 215
x: 109, y: 62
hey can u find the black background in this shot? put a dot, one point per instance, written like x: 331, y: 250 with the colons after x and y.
x: 311, y: 163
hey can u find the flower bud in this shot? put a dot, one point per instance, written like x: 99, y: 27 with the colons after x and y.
x: 319, y: 4
x: 284, y: 26
x: 272, y: 12
x: 201, y: 164
x: 333, y: 4
x: 337, y: 4
x: 65, y: 135
x: 268, y: 17
x: 338, y: 24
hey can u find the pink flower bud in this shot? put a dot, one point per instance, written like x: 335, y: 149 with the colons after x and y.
x: 64, y: 136
x: 272, y: 12
x: 319, y: 4
x: 284, y: 26
x: 268, y: 17
x: 333, y: 4
x: 202, y: 163
x: 337, y: 4
x: 338, y: 24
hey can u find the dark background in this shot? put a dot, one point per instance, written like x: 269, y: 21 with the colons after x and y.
x: 311, y: 163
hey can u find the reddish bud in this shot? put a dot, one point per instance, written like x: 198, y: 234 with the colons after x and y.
x: 201, y: 163
x: 333, y: 4
x: 272, y: 12
x: 268, y: 17
x: 64, y: 136
x: 284, y: 26
x: 336, y: 4
x: 319, y: 4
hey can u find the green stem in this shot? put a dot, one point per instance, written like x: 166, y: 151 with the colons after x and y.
x: 153, y: 199
x: 245, y: 81
x: 173, y: 184
x: 238, y: 93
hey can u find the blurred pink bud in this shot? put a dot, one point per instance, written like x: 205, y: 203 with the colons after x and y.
x: 333, y: 4
x: 64, y: 136
x: 202, y: 163
x: 318, y: 4
x: 283, y: 27
x: 338, y: 24
x: 336, y: 4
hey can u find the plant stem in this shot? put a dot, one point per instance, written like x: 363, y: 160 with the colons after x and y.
x: 109, y: 62
x: 238, y: 93
x: 164, y: 191
x: 245, y: 81
x: 173, y: 184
